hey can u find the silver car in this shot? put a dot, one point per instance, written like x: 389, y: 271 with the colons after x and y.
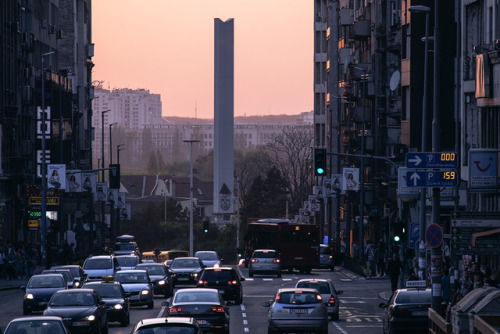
x: 297, y: 310
x: 265, y: 261
x: 327, y: 291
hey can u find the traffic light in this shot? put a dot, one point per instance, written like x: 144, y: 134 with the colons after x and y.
x: 319, y: 161
x: 114, y: 176
x: 206, y: 225
x: 398, y: 231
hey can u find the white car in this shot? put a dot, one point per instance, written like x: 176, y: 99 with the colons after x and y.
x: 209, y: 258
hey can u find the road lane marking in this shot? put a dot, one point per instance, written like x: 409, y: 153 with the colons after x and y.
x: 245, y: 322
x: 341, y: 330
x: 267, y: 279
x: 242, y: 307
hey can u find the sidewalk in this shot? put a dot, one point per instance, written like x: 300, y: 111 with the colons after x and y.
x: 6, y: 284
x: 385, y: 295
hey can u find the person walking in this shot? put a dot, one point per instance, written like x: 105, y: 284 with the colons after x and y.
x: 394, y: 268
x: 343, y: 251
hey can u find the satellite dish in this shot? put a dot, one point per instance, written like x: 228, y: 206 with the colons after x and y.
x: 393, y: 84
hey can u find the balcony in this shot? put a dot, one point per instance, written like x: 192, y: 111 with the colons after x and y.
x: 320, y: 26
x: 346, y: 17
x: 361, y: 29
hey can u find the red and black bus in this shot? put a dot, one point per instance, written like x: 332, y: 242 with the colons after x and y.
x: 297, y: 244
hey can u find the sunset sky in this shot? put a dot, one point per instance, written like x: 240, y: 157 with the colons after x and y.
x: 166, y: 46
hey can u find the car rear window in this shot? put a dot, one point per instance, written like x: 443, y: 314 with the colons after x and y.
x: 98, y: 264
x: 322, y: 287
x: 217, y: 275
x: 129, y: 261
x: 414, y: 297
x: 166, y: 329
x: 297, y: 297
x: 265, y: 255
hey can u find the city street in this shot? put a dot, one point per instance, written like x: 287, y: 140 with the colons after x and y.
x: 359, y: 311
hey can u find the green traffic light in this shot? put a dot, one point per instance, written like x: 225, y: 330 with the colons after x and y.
x: 396, y: 238
x: 320, y: 171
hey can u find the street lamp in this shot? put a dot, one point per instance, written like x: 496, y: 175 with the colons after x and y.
x: 191, y: 193
x: 421, y: 264
x: 110, y: 144
x: 102, y: 143
x: 165, y: 182
x: 43, y: 222
x: 118, y: 149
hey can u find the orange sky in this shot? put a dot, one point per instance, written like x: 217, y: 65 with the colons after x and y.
x: 166, y: 46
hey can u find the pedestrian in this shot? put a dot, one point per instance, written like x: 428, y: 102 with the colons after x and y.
x: 369, y: 253
x: 343, y: 251
x: 381, y: 258
x: 394, y: 268
x: 413, y: 273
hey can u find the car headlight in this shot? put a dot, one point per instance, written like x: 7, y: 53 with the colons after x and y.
x: 76, y: 284
x: 118, y: 307
x: 29, y: 296
x: 194, y: 275
x: 173, y: 275
x: 144, y: 292
x: 162, y: 282
x: 90, y: 317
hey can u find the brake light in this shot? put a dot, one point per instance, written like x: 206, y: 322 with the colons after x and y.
x: 202, y: 282
x: 330, y: 257
x: 331, y: 300
x: 255, y: 260
x: 232, y: 282
x: 176, y: 309
x: 217, y: 309
x: 276, y: 260
x: 278, y: 298
x: 319, y: 298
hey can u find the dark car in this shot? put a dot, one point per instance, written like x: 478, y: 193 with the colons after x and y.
x: 116, y: 300
x: 138, y: 284
x: 407, y: 311
x: 38, y: 324
x: 159, y: 275
x: 327, y: 291
x: 185, y: 270
x: 68, y: 276
x: 82, y: 310
x: 326, y: 257
x: 177, y: 325
x: 297, y: 310
x: 224, y: 279
x: 39, y: 290
x: 205, y: 305
x: 76, y: 270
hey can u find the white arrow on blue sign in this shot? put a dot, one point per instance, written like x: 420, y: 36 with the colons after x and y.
x: 445, y: 160
x: 429, y: 178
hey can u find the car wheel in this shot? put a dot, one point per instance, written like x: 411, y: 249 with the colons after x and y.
x: 126, y: 321
x: 151, y: 305
x: 250, y: 273
x: 270, y: 330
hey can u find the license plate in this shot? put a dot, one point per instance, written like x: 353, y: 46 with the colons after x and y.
x: 299, y: 310
x: 134, y: 297
x: 419, y: 313
x: 81, y: 323
x: 43, y: 303
x: 201, y: 322
x: 183, y: 278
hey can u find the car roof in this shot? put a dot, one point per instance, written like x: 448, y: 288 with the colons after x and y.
x: 265, y: 250
x: 76, y: 290
x: 49, y: 275
x: 175, y: 320
x: 190, y: 290
x: 218, y: 268
x: 201, y: 252
x: 129, y: 255
x: 148, y: 264
x: 35, y: 318
x: 314, y: 280
x: 101, y: 256
x: 101, y: 282
x: 187, y: 257
x: 297, y: 289
x: 132, y: 271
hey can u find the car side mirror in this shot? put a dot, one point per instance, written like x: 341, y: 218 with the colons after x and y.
x: 266, y: 304
x: 101, y: 303
x: 127, y: 294
x: 242, y: 279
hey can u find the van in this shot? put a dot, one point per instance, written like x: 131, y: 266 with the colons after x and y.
x: 165, y: 257
x: 97, y: 267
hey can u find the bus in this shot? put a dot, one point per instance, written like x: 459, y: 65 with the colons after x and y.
x: 297, y: 244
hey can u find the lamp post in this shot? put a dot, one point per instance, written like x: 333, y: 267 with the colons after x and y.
x: 118, y: 149
x: 191, y: 193
x: 102, y: 143
x: 43, y: 222
x: 110, y: 144
x: 165, y: 182
x: 421, y: 263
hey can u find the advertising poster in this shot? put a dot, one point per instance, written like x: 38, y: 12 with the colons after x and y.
x: 56, y: 176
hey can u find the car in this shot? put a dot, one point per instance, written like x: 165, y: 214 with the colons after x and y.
x: 407, y: 310
x: 99, y: 266
x: 178, y: 325
x: 205, y: 305
x: 82, y: 310
x: 138, y: 284
x: 209, y: 258
x: 185, y: 270
x: 68, y: 276
x: 39, y: 290
x: 116, y: 300
x: 264, y: 261
x: 76, y: 270
x: 38, y: 324
x: 327, y: 291
x: 128, y: 262
x: 224, y: 279
x: 297, y: 310
x: 326, y: 260
x: 126, y: 245
x: 160, y: 277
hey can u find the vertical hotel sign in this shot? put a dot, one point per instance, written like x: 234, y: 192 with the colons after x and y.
x: 40, y: 127
x: 483, y: 171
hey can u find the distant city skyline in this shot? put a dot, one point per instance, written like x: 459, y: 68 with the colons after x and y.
x: 166, y: 46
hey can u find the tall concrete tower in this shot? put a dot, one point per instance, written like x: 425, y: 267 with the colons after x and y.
x: 223, y: 119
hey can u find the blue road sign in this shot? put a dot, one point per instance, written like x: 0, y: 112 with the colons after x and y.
x: 445, y: 160
x: 430, y: 178
x: 414, y: 235
x: 434, y: 235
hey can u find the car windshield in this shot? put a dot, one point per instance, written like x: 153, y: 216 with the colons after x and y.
x: 166, y: 329
x: 40, y: 282
x: 35, y: 327
x: 129, y: 278
x: 217, y: 275
x: 197, y: 297
x: 322, y: 287
x: 74, y: 271
x: 98, y: 264
x: 414, y: 297
x: 72, y: 299
x: 184, y: 263
x: 297, y: 297
x: 125, y: 246
x: 207, y: 256
x: 128, y: 261
x: 106, y: 290
x: 153, y: 270
x: 265, y: 255
x: 67, y: 275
